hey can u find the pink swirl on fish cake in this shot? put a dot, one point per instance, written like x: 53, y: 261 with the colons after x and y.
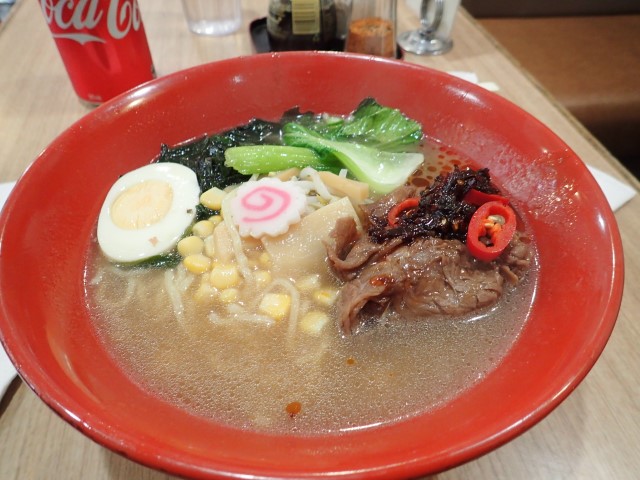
x: 269, y: 201
x: 267, y: 207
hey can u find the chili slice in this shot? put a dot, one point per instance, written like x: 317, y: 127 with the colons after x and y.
x: 476, y: 197
x: 396, y: 210
x: 491, y: 228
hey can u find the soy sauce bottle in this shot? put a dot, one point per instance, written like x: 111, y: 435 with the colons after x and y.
x: 301, y: 24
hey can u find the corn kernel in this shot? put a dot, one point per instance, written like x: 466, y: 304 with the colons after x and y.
x: 224, y: 276
x: 308, y: 283
x: 264, y: 260
x: 325, y: 296
x: 197, y: 263
x: 212, y: 198
x: 190, y: 246
x: 209, y: 246
x: 252, y: 264
x: 276, y: 305
x: 203, y: 228
x: 230, y: 295
x: 215, y: 219
x: 313, y: 322
x: 263, y: 278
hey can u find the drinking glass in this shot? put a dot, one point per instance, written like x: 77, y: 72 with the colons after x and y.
x: 212, y: 17
x: 434, y: 35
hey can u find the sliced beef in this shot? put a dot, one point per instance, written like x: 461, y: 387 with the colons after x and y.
x: 516, y: 259
x: 350, y: 250
x: 430, y: 276
x: 420, y: 266
x: 517, y: 254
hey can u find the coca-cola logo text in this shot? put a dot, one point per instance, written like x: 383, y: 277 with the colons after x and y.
x: 77, y: 19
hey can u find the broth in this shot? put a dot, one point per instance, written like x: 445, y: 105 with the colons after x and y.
x: 260, y: 377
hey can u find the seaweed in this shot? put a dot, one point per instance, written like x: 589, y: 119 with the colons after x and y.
x: 168, y: 259
x: 205, y: 155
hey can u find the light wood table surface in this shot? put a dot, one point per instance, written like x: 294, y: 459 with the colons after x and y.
x: 594, y: 434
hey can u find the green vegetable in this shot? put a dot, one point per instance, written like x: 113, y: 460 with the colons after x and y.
x: 383, y: 171
x: 272, y: 158
x: 376, y: 144
x: 164, y: 260
x: 205, y: 156
x: 385, y: 128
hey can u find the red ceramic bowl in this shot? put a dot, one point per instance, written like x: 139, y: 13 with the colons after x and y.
x: 50, y: 216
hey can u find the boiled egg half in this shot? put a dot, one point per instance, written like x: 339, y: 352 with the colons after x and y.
x: 147, y: 212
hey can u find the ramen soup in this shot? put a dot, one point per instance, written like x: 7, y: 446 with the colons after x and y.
x: 262, y: 331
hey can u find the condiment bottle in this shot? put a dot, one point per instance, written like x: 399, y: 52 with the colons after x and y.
x: 372, y: 28
x: 301, y: 24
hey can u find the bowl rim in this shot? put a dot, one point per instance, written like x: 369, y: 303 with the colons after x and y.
x: 81, y: 420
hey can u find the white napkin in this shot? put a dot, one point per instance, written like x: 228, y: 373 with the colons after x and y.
x: 7, y: 372
x: 473, y: 78
x: 617, y: 193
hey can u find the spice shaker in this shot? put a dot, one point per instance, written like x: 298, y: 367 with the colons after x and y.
x: 301, y: 24
x: 372, y: 28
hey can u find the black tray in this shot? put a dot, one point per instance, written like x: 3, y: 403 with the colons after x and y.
x: 260, y: 38
x: 258, y: 30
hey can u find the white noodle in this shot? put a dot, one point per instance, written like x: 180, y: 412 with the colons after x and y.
x: 295, y: 303
x: 259, y: 319
x: 130, y: 284
x: 236, y: 241
x: 314, y: 203
x: 174, y: 295
x: 235, y: 309
x: 120, y: 272
x: 240, y: 315
x: 318, y: 184
x: 311, y: 357
x: 131, y: 290
x: 183, y: 279
x: 305, y: 185
x: 97, y: 278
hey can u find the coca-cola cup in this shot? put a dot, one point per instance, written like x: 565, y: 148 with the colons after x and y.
x: 102, y: 43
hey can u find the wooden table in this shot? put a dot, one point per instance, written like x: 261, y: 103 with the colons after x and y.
x: 594, y: 434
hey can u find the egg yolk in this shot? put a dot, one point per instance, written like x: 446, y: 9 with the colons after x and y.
x: 142, y: 205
